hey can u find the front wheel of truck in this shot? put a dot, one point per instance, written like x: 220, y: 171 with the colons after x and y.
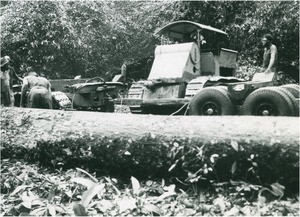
x: 211, y: 101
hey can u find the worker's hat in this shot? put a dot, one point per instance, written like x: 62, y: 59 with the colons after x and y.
x: 4, y: 60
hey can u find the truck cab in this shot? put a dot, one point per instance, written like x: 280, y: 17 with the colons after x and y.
x: 211, y: 57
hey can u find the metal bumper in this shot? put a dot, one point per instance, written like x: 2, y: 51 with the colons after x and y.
x: 151, y: 102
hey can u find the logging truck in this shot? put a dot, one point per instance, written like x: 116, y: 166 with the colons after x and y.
x: 192, y: 73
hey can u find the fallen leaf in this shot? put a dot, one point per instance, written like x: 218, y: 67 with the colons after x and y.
x: 90, y: 193
x: 278, y: 189
x: 221, y: 203
x: 51, y: 210
x: 83, y: 181
x: 234, y: 144
x: 19, y: 188
x: 135, y: 185
x: 261, y: 199
x: 232, y: 212
x: 127, y: 203
x: 79, y: 210
x: 233, y: 167
x: 150, y: 208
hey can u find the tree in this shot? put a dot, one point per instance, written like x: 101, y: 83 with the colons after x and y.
x: 94, y: 38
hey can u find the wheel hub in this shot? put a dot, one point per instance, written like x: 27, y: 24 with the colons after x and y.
x: 266, y: 109
x: 265, y: 113
x: 210, y: 111
x: 209, y: 108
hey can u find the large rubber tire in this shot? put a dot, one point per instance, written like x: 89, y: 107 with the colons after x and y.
x: 211, y: 101
x: 268, y: 101
x: 292, y: 98
x: 293, y: 88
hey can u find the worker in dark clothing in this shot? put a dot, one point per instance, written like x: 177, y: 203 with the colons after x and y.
x: 270, y: 54
x: 8, y: 75
x: 12, y: 73
x: 39, y: 92
x: 5, y: 79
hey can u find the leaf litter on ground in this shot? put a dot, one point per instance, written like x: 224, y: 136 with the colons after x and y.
x: 77, y: 192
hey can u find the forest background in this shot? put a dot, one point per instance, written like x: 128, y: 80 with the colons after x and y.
x: 62, y: 39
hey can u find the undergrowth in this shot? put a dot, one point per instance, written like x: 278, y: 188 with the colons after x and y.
x: 28, y: 189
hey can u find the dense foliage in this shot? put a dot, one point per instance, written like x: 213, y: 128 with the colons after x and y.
x: 29, y: 190
x: 93, y: 38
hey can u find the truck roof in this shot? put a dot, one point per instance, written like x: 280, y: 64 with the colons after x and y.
x: 183, y: 27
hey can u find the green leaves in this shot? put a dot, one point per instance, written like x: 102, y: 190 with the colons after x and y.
x: 19, y: 188
x: 233, y: 167
x: 85, y: 172
x: 135, y: 185
x: 278, y: 189
x: 145, y: 197
x: 79, y: 210
x: 90, y: 193
x: 94, y: 38
x: 127, y: 204
x: 234, y: 145
x: 83, y: 181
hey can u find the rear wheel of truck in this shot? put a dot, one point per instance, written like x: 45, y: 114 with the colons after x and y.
x: 268, y: 101
x: 293, y: 88
x: 294, y: 102
x: 211, y: 101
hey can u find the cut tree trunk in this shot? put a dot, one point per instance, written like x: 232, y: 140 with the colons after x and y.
x: 156, y: 146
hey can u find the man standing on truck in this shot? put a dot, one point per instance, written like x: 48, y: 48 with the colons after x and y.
x: 270, y: 54
x: 39, y: 92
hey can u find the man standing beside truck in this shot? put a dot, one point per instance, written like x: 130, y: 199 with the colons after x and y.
x: 5, y: 79
x: 8, y: 76
x: 270, y: 54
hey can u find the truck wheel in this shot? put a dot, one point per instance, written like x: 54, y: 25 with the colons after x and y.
x: 211, y: 101
x: 294, y: 102
x: 268, y: 102
x: 293, y: 88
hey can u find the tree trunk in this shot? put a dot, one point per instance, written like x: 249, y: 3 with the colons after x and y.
x: 148, y: 145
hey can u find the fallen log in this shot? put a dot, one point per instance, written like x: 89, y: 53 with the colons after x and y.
x: 256, y: 149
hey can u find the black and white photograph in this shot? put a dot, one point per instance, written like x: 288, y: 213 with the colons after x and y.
x: 149, y: 108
